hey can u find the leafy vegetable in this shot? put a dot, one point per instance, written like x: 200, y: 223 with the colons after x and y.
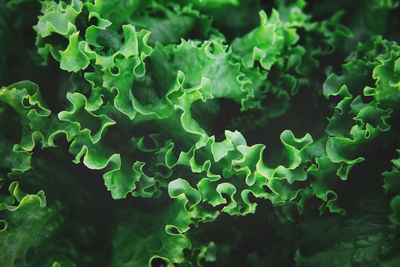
x: 226, y: 133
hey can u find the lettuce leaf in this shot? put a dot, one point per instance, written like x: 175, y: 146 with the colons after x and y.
x: 185, y: 118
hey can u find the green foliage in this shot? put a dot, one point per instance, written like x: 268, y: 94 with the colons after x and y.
x: 227, y: 133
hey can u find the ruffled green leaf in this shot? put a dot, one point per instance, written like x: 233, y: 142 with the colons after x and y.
x: 26, y: 226
x: 206, y: 125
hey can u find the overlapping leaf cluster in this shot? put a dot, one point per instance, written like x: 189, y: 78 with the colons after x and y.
x: 178, y: 106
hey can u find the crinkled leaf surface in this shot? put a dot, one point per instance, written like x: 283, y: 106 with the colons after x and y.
x: 199, y: 133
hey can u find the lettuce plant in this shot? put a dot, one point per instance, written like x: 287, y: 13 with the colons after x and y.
x: 199, y: 133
